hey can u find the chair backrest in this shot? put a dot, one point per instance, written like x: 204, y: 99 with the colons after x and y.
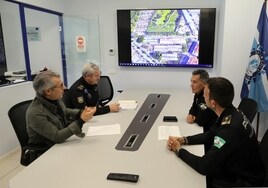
x: 264, y: 155
x: 249, y: 107
x: 106, y: 91
x: 17, y: 116
x: 66, y: 99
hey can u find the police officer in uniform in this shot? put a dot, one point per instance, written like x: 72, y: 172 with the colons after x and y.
x: 84, y: 92
x: 233, y: 159
x: 199, y: 113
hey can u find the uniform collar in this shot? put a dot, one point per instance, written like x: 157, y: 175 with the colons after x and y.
x: 83, y: 81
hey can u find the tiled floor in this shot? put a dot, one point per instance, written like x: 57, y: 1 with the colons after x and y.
x: 9, y: 168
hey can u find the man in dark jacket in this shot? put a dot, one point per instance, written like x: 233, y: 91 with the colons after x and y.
x: 199, y: 113
x: 84, y: 92
x: 233, y: 159
x: 47, y: 116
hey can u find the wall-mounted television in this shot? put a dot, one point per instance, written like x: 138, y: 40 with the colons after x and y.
x: 182, y: 37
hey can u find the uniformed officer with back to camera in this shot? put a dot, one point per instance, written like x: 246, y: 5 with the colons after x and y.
x: 84, y: 92
x: 233, y: 159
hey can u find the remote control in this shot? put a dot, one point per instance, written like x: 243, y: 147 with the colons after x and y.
x: 123, y: 177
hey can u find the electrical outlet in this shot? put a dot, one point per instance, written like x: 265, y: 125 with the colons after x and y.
x: 111, y: 52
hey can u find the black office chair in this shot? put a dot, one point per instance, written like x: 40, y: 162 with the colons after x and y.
x: 106, y: 91
x: 17, y: 114
x: 249, y: 107
x: 66, y: 99
x: 264, y: 155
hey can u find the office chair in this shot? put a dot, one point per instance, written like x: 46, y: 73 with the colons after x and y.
x: 106, y: 91
x: 249, y: 107
x: 17, y: 116
x: 66, y: 99
x: 264, y: 156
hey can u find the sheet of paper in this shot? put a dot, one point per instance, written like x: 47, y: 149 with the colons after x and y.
x: 103, y: 130
x: 128, y: 104
x: 165, y: 131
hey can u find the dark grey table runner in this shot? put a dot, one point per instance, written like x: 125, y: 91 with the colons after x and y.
x: 142, y: 122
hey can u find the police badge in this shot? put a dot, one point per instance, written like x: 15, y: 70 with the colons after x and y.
x: 256, y: 64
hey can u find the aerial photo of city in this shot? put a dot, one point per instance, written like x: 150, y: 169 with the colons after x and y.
x: 161, y: 37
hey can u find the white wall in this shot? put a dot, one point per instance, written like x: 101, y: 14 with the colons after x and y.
x: 11, y: 95
x: 123, y: 77
x: 45, y: 52
x: 237, y: 22
x: 240, y: 21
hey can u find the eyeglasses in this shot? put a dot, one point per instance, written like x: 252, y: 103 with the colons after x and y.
x: 59, y: 86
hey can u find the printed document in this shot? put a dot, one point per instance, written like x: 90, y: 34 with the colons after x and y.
x: 103, y: 130
x: 128, y: 104
x: 165, y: 131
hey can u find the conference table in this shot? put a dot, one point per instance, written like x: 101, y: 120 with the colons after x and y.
x: 86, y: 162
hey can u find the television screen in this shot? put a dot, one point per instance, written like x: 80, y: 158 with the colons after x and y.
x: 166, y: 37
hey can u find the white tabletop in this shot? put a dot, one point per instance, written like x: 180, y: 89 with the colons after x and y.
x: 85, y: 163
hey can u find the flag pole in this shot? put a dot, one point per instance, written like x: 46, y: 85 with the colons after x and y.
x: 258, y: 121
x: 258, y: 114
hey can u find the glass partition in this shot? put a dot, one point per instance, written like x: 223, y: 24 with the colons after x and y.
x: 81, y: 42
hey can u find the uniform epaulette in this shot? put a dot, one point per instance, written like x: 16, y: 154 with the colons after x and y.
x: 81, y: 87
x: 226, y: 120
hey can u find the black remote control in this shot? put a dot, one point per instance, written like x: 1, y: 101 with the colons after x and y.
x: 123, y: 177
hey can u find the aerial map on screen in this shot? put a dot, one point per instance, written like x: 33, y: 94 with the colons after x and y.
x: 165, y: 37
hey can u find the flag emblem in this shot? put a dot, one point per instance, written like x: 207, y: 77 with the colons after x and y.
x: 255, y: 84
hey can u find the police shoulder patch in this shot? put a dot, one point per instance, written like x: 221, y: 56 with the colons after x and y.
x: 219, y: 142
x: 80, y: 87
x: 80, y: 99
x: 226, y: 120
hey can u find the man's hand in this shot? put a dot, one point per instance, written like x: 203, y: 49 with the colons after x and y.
x: 87, y: 113
x: 114, y: 107
x: 173, y: 143
x: 190, y: 118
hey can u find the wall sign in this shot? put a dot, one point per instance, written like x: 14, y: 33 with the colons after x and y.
x: 80, y: 44
x: 33, y: 34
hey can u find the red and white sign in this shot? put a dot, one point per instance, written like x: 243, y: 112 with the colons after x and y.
x: 81, y: 44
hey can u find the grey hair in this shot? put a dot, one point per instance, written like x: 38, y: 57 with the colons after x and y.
x: 43, y: 81
x: 89, y: 68
x: 204, y: 76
